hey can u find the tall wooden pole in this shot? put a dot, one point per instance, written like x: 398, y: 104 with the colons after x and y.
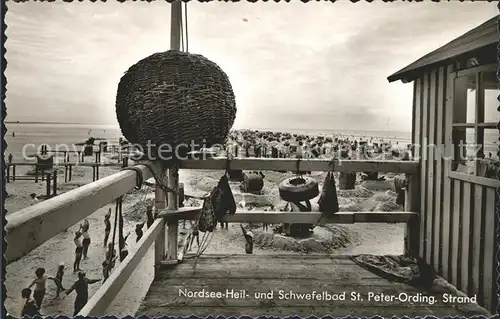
x: 172, y: 177
x: 173, y: 173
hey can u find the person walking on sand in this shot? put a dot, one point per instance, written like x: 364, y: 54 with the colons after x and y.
x: 59, y: 278
x: 86, y: 241
x: 30, y: 309
x: 196, y: 234
x: 39, y: 282
x: 34, y: 200
x: 81, y: 287
x: 138, y: 231
x: 105, y: 270
x: 111, y: 255
x: 78, y: 251
x: 107, y: 228
x: 149, y: 215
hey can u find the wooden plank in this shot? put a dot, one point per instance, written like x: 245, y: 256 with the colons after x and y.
x: 488, y: 182
x: 479, y: 118
x: 447, y: 185
x: 301, y: 311
x: 412, y: 204
x: 424, y: 135
x: 455, y: 232
x: 103, y: 297
x: 438, y: 173
x: 414, y: 114
x: 418, y: 117
x: 489, y: 269
x: 232, y: 262
x: 478, y: 242
x: 30, y: 227
x: 160, y: 204
x: 429, y: 162
x: 465, y: 237
x: 304, y: 165
x: 273, y: 217
x: 173, y: 204
x: 255, y: 274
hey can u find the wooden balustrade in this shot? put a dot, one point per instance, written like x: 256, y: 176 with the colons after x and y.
x: 26, y: 231
x: 30, y: 227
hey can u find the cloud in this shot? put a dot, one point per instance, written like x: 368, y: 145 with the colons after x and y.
x: 286, y: 61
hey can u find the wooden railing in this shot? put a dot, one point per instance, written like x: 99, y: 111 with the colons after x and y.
x: 32, y: 226
x: 164, y: 231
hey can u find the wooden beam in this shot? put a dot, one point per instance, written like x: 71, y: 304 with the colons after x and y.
x: 173, y: 204
x: 478, y: 180
x: 173, y: 172
x: 304, y: 165
x: 269, y: 217
x: 412, y: 204
x: 160, y: 204
x: 103, y: 297
x: 30, y: 227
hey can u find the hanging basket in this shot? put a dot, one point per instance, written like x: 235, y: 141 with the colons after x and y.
x: 177, y: 99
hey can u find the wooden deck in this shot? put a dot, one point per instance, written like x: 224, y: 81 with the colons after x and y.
x: 249, y: 274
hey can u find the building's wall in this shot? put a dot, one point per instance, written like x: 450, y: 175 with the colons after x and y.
x: 458, y: 219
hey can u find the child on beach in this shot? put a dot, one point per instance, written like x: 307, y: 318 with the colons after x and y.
x: 34, y: 200
x: 30, y: 309
x: 81, y: 287
x: 86, y: 240
x: 107, y: 228
x: 149, y: 215
x: 111, y: 251
x: 196, y: 234
x: 78, y: 252
x: 138, y: 231
x: 59, y: 278
x: 39, y: 282
x: 105, y: 271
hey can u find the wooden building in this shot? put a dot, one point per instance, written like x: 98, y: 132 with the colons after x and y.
x: 454, y: 110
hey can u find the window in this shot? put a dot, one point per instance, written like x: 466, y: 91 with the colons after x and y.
x: 475, y: 118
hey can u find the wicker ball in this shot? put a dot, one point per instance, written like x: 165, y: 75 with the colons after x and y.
x: 175, y: 98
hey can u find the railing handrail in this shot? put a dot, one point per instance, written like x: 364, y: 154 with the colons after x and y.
x: 25, y: 228
x: 303, y: 165
x: 101, y: 300
x: 273, y: 217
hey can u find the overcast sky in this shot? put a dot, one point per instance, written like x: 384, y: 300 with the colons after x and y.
x: 292, y: 65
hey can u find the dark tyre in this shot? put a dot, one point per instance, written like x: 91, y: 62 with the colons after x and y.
x: 298, y: 189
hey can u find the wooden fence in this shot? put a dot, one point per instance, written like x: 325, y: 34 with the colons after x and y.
x: 28, y: 228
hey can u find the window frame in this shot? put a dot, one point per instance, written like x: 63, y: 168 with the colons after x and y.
x: 479, y: 125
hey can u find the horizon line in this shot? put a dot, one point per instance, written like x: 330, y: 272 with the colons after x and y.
x: 248, y: 128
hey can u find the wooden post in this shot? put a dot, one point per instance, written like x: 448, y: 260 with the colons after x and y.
x: 97, y: 172
x: 347, y: 180
x: 160, y: 203
x: 173, y: 204
x: 70, y: 172
x: 173, y: 173
x: 47, y: 183
x: 8, y: 173
x: 65, y: 173
x: 412, y: 204
x: 36, y: 173
x: 54, y: 188
x: 13, y: 172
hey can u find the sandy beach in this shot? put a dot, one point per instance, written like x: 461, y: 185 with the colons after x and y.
x: 353, y: 239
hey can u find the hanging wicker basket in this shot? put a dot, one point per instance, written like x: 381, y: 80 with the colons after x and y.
x: 175, y: 98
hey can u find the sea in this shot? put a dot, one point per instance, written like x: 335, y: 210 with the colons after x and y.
x: 21, y: 134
